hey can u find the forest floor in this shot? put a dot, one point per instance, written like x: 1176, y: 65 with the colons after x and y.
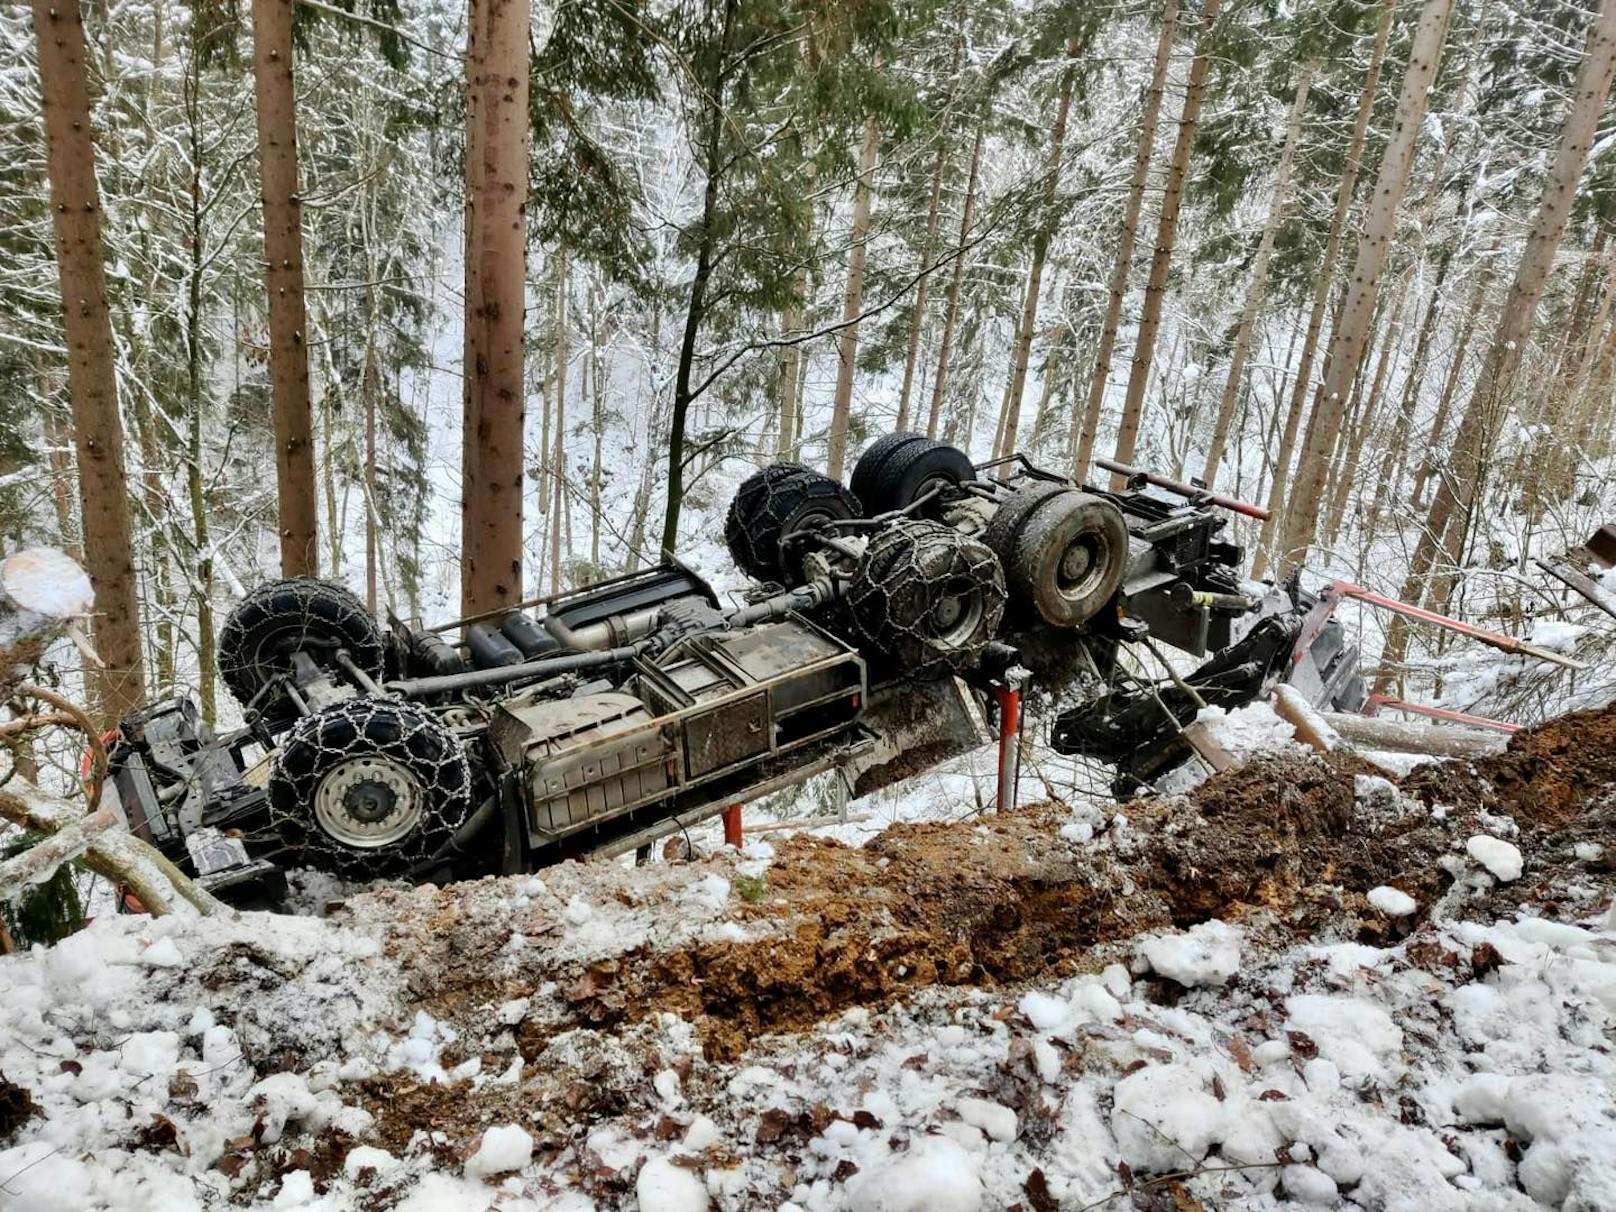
x: 1301, y: 983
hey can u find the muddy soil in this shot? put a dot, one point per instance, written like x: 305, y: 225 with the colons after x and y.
x: 1001, y: 899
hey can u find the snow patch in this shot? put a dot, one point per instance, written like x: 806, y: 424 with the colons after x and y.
x: 1207, y: 954
x: 503, y: 1148
x: 1393, y: 902
x: 1501, y: 858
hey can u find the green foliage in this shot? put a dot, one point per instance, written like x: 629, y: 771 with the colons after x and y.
x: 583, y: 194
x: 751, y: 888
x: 46, y: 913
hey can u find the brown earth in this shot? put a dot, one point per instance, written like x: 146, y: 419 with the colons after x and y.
x: 1004, y: 898
x: 1289, y: 843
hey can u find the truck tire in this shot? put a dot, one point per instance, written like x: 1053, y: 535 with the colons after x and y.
x: 868, y: 467
x: 1068, y: 557
x: 369, y: 787
x: 275, y: 620
x: 1015, y: 509
x: 772, y: 503
x: 910, y: 470
x: 926, y: 597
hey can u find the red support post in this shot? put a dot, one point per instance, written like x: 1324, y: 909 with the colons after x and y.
x: 732, y: 826
x: 1009, y: 701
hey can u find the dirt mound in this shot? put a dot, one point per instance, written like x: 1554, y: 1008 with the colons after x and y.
x: 1551, y: 774
x: 1289, y: 843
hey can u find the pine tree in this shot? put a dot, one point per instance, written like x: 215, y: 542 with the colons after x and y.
x: 1087, y: 430
x: 283, y: 281
x: 1307, y: 492
x: 1491, y: 397
x: 117, y: 684
x: 1144, y: 349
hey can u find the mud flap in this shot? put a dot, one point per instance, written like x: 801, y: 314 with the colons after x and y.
x: 917, y: 724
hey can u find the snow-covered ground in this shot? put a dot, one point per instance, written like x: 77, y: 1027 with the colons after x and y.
x: 491, y: 1046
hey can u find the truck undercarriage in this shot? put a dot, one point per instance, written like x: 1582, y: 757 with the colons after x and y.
x: 881, y: 617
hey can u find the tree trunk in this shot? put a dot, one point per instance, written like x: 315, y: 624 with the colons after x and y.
x: 1259, y: 278
x: 1084, y: 435
x: 785, y: 439
x: 1321, y: 291
x: 117, y: 686
x: 1133, y: 405
x: 951, y: 308
x: 370, y: 389
x: 471, y: 356
x: 559, y: 504
x: 1450, y: 384
x: 1346, y: 470
x: 197, y: 399
x: 1391, y: 468
x: 852, y: 304
x: 494, y: 497
x: 1589, y: 387
x: 599, y: 419
x: 696, y: 305
x: 1380, y: 219
x: 653, y: 438
x: 928, y: 253
x: 1490, y: 396
x: 1021, y: 354
x: 283, y: 280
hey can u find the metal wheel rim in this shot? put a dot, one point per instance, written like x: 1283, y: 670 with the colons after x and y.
x: 954, y: 616
x: 1081, y: 566
x: 342, y: 792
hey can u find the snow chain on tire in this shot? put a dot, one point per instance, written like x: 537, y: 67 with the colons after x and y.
x: 772, y: 503
x: 926, y: 597
x: 369, y: 786
x: 275, y: 620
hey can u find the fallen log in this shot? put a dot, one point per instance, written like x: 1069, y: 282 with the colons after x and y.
x: 43, y: 592
x: 1312, y: 729
x: 1416, y: 736
x: 39, y: 862
x: 110, y: 851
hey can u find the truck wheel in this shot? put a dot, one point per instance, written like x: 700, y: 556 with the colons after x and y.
x: 868, y: 467
x: 912, y: 469
x: 369, y: 786
x: 1015, y: 509
x: 1068, y: 557
x: 276, y: 620
x: 926, y: 597
x: 772, y: 503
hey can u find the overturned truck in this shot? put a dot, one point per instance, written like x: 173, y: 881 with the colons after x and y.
x: 881, y: 616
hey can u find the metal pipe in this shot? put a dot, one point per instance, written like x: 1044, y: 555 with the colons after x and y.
x: 346, y: 664
x: 809, y: 596
x: 1185, y: 490
x: 611, y: 632
x: 502, y: 675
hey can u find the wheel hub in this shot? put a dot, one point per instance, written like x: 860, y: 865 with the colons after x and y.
x: 369, y: 801
x: 1081, y: 566
x: 955, y: 614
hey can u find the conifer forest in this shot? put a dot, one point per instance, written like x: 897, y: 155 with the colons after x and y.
x: 1349, y: 261
x: 1122, y: 493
